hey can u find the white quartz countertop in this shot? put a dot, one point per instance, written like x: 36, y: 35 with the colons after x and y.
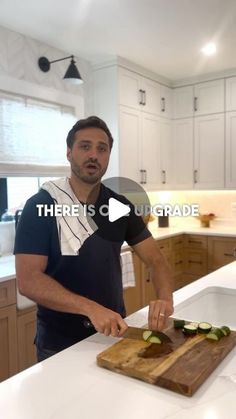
x: 71, y: 385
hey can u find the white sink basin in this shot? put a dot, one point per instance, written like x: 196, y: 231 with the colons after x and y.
x: 216, y: 305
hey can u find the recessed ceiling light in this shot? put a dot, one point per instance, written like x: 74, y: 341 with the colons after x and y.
x: 209, y: 49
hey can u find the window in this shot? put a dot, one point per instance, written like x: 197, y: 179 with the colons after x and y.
x: 33, y: 136
x: 18, y: 190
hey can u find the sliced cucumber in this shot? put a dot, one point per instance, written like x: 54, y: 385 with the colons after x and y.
x: 154, y: 339
x: 147, y: 334
x: 226, y: 330
x: 151, y: 336
x: 220, y: 332
x: 190, y: 329
x: 195, y: 324
x: 215, y: 334
x: 204, y: 327
x: 212, y: 336
x: 179, y: 324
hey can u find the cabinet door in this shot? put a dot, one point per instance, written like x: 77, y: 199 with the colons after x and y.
x: 221, y: 250
x: 130, y: 131
x: 8, y: 342
x: 26, y: 325
x: 150, y: 150
x: 183, y: 154
x: 166, y: 101
x: 129, y: 89
x: 231, y: 94
x: 152, y: 103
x: 209, y: 97
x: 230, y: 161
x: 166, y: 153
x: 183, y: 102
x: 209, y: 152
x: 195, y: 262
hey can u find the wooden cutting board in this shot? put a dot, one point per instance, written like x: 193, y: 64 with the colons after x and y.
x: 183, y: 370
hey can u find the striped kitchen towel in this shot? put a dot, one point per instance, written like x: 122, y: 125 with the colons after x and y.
x: 128, y: 276
x: 72, y: 230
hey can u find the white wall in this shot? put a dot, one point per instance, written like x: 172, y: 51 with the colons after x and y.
x: 18, y: 60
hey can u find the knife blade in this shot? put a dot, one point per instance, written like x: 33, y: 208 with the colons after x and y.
x: 137, y: 333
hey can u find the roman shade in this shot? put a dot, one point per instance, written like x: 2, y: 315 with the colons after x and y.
x: 33, y: 136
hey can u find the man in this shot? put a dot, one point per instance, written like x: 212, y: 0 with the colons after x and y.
x: 81, y: 294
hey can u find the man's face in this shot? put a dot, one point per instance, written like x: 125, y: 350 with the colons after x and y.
x: 89, y: 155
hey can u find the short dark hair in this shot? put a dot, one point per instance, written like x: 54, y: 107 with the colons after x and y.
x: 90, y: 122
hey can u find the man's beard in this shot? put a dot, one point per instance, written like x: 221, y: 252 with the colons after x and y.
x: 90, y: 179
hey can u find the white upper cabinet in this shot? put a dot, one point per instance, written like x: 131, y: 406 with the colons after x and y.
x: 209, y: 152
x: 139, y: 92
x: 183, y: 153
x: 166, y: 101
x: 230, y: 181
x: 150, y: 151
x: 166, y: 153
x: 209, y: 97
x: 140, y: 147
x: 129, y: 144
x: 231, y: 94
x: 130, y: 89
x: 183, y: 102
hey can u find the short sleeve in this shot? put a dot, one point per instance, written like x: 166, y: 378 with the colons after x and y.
x: 136, y: 230
x: 33, y: 233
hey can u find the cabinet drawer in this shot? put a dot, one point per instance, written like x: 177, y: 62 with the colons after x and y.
x: 7, y: 293
x: 195, y: 262
x: 195, y: 241
x: 177, y: 242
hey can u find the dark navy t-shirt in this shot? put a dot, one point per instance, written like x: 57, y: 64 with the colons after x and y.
x: 95, y: 273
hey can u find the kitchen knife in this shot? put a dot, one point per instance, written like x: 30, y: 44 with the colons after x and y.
x: 137, y: 333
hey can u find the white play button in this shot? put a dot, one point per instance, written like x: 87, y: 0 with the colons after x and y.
x: 117, y: 210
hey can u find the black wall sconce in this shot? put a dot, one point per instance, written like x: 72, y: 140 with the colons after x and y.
x: 72, y: 73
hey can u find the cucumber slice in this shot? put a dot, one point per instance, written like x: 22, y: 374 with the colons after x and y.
x: 215, y: 334
x: 220, y: 332
x: 190, y: 329
x: 226, y: 330
x: 147, y: 334
x: 195, y: 324
x: 179, y: 324
x: 204, y: 327
x: 154, y: 339
x: 212, y: 336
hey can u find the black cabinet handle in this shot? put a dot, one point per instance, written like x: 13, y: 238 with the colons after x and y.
x: 163, y: 107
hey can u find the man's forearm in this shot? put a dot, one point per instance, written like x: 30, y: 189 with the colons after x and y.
x: 161, y: 276
x: 46, y: 291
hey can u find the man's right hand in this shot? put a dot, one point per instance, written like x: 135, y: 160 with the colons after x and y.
x: 107, y: 321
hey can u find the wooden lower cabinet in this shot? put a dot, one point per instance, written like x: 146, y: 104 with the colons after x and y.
x: 26, y: 329
x: 195, y: 256
x: 8, y: 342
x: 221, y: 251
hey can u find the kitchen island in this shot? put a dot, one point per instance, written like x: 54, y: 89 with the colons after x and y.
x: 71, y: 385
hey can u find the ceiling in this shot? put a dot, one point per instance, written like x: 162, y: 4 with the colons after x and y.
x: 165, y: 36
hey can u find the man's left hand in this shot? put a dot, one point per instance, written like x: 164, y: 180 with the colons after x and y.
x: 159, y: 311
